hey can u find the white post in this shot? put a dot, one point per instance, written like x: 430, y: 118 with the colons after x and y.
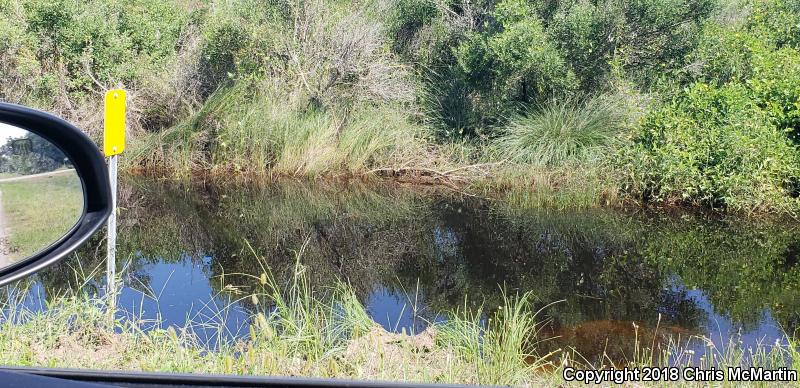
x: 111, y: 261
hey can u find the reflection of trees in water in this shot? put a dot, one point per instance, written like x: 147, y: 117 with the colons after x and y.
x: 583, y: 259
x: 607, y: 266
x: 743, y: 268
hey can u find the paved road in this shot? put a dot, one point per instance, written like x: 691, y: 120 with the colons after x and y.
x: 24, y: 177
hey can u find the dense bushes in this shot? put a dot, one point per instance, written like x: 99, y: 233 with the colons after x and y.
x: 730, y: 138
x: 503, y: 56
x: 516, y: 61
x: 316, y: 86
x: 112, y: 41
x: 62, y: 54
x: 715, y: 147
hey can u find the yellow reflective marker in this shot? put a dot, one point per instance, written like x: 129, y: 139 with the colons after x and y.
x: 114, y: 133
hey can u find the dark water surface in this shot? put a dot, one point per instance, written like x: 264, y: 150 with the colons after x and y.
x: 415, y: 255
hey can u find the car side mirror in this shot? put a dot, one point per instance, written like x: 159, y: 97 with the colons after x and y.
x: 54, y: 190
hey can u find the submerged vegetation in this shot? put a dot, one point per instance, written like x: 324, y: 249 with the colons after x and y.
x: 659, y: 102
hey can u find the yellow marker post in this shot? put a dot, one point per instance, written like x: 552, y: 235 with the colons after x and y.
x: 114, y: 133
x: 113, y: 145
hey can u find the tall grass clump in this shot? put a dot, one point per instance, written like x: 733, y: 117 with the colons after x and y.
x: 304, y: 322
x: 255, y: 126
x: 562, y: 132
x: 500, y: 345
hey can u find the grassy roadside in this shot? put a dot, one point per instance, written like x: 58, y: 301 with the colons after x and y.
x: 39, y: 210
x: 299, y: 331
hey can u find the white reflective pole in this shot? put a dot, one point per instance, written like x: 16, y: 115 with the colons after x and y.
x: 111, y: 261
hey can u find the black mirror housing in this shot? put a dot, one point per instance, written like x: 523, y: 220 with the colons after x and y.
x: 90, y: 166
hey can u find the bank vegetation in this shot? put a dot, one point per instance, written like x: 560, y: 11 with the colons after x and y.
x: 678, y: 102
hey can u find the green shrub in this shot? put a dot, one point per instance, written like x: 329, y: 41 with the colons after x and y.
x: 754, y: 57
x: 775, y: 86
x: 62, y: 55
x: 578, y: 32
x: 776, y: 22
x: 725, y: 54
x: 406, y: 19
x: 561, y: 132
x: 517, y: 62
x: 222, y: 43
x: 499, y: 56
x: 730, y: 138
x: 111, y: 41
x: 650, y: 38
x: 714, y: 147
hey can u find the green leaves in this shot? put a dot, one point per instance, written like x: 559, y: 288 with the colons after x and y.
x: 503, y: 56
x: 715, y: 147
x: 101, y: 41
x: 513, y: 61
x: 730, y: 138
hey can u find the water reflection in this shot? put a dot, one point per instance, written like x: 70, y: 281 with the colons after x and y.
x: 414, y: 256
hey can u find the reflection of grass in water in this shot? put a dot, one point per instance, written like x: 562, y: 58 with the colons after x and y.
x: 215, y: 220
x: 38, y: 211
x: 563, y: 188
x: 276, y: 210
x: 295, y: 205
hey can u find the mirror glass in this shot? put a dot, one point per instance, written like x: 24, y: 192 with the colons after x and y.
x: 41, y: 197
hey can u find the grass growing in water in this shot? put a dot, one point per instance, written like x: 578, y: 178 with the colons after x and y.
x: 299, y: 331
x: 294, y: 330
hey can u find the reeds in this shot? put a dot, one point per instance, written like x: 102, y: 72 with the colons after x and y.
x: 297, y: 330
